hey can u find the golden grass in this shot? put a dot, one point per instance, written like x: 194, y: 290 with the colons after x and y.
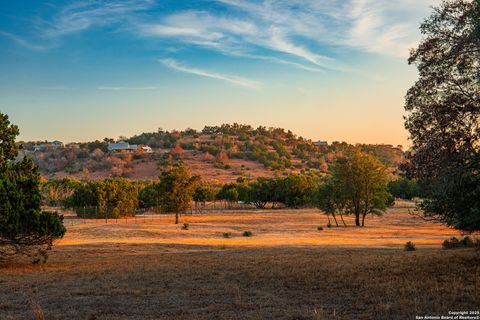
x: 270, y: 228
x: 288, y: 269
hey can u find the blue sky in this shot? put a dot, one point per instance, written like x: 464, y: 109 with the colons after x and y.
x: 326, y: 69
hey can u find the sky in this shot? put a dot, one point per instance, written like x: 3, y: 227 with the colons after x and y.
x: 332, y: 70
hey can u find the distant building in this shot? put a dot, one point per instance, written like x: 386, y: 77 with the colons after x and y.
x: 320, y: 143
x: 121, y: 146
x: 57, y: 144
x: 146, y: 149
x: 48, y: 145
x: 125, y: 146
x: 40, y: 147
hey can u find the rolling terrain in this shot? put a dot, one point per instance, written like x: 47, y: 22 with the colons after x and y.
x: 218, y: 154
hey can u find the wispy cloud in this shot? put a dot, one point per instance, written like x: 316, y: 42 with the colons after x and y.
x: 305, y: 34
x: 83, y: 15
x: 75, y: 18
x: 238, y: 81
x: 22, y: 42
x: 113, y: 88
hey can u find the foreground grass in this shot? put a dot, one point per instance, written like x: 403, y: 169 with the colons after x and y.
x: 191, y: 282
x: 149, y: 268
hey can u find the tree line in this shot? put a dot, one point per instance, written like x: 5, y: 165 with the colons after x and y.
x: 357, y: 184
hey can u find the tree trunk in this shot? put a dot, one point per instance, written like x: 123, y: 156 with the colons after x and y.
x: 357, y: 219
x: 363, y: 219
x: 176, y: 218
x: 344, y: 224
x: 335, y: 218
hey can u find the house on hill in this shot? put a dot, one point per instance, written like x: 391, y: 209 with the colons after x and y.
x: 57, y: 144
x: 146, y: 149
x: 121, y: 146
x: 48, y: 145
x: 125, y: 146
x: 40, y: 147
x: 320, y: 143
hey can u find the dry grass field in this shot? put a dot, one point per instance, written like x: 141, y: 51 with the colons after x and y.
x: 148, y: 268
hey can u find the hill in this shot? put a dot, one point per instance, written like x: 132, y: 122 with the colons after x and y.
x: 217, y: 153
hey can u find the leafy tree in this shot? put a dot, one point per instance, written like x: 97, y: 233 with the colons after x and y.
x: 229, y: 192
x: 204, y: 193
x: 176, y: 189
x: 260, y: 192
x: 24, y: 227
x: 444, y: 114
x: 112, y: 197
x: 57, y: 192
x: 404, y: 188
x: 117, y: 197
x: 361, y: 181
x: 148, y: 196
x: 85, y: 195
x: 295, y: 190
x: 331, y: 200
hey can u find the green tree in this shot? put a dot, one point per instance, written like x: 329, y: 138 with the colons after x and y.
x: 331, y: 200
x: 112, y: 197
x: 444, y: 114
x: 261, y: 192
x: 295, y: 190
x: 230, y: 193
x: 24, y: 227
x: 148, y: 196
x: 404, y: 188
x: 362, y: 181
x: 8, y: 146
x: 204, y: 193
x: 56, y: 192
x: 117, y: 197
x: 176, y: 189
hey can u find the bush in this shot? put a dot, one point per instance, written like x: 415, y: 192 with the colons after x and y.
x: 451, y: 244
x: 227, y: 235
x: 320, y: 228
x: 466, y: 242
x: 247, y: 233
x: 185, y: 226
x: 329, y: 225
x: 409, y: 246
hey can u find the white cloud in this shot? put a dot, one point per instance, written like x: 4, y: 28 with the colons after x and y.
x: 300, y: 33
x: 22, y: 42
x: 238, y: 81
x: 85, y: 14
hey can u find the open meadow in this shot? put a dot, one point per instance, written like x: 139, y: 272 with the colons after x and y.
x: 149, y: 268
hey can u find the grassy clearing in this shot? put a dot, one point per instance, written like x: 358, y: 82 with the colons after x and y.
x: 288, y: 270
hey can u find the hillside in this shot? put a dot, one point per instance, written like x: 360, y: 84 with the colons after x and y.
x: 219, y: 154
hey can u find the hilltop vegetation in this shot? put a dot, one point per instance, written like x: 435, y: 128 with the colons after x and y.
x: 221, y: 153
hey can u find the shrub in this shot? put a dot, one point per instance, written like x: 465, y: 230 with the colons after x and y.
x: 320, y: 228
x: 247, y: 233
x: 185, y: 226
x: 468, y: 242
x: 329, y: 225
x: 409, y: 246
x: 453, y: 243
x: 227, y: 235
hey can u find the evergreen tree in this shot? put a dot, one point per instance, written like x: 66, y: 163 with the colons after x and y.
x: 24, y: 227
